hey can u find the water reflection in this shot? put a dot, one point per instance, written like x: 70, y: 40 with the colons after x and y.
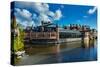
x: 65, y: 52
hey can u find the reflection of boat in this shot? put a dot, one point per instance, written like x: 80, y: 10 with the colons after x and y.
x: 51, y: 33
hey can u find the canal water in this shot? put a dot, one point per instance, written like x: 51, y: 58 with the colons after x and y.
x: 59, y: 53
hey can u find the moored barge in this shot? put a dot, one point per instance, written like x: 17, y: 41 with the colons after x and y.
x: 52, y: 33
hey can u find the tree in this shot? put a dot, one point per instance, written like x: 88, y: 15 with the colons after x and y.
x: 17, y: 41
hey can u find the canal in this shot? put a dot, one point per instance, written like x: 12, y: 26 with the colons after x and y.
x: 59, y: 53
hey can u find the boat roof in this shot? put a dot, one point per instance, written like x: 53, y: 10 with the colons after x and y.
x: 69, y: 31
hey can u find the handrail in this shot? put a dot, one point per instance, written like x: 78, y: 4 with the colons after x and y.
x: 41, y: 35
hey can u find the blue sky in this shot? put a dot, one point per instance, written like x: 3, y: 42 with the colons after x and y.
x: 29, y: 13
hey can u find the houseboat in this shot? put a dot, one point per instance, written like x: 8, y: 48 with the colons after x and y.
x: 46, y: 33
x: 52, y: 33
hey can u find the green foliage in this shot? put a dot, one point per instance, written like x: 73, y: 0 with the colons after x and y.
x: 18, y: 41
x: 18, y: 44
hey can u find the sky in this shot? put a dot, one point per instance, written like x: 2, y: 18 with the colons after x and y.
x: 32, y: 13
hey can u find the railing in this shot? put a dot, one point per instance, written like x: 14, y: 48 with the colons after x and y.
x: 41, y: 35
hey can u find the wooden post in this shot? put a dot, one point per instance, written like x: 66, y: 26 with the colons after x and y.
x: 30, y: 35
x: 87, y: 39
x: 57, y: 34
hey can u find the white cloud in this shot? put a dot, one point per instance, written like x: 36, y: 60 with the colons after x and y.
x: 91, y: 11
x: 45, y: 14
x: 58, y: 14
x: 50, y: 13
x: 44, y: 17
x: 26, y: 23
x: 25, y: 14
x: 23, y: 17
x: 37, y: 7
x: 42, y: 10
x: 40, y: 7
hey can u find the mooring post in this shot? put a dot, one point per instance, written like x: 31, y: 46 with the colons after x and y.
x: 57, y: 34
x: 86, y: 39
